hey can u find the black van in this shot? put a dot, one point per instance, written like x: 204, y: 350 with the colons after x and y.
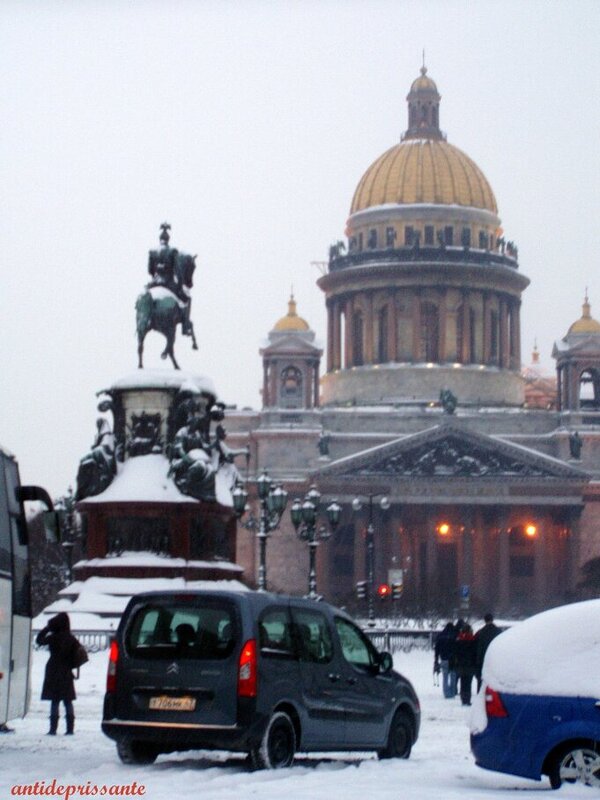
x: 251, y: 672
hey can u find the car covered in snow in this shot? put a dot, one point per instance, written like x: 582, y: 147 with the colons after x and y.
x: 538, y: 712
x: 253, y: 672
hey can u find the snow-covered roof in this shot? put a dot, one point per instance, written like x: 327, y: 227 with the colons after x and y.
x: 142, y: 479
x: 165, y: 379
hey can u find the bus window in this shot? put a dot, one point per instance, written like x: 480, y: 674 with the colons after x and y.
x: 20, y: 564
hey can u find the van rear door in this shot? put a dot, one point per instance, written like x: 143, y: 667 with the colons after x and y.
x: 180, y: 661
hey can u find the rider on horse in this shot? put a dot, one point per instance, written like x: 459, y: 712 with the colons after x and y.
x: 164, y: 268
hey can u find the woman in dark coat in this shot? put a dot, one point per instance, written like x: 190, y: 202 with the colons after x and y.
x: 58, y: 679
x: 465, y: 661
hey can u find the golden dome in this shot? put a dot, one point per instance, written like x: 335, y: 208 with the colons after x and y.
x: 586, y: 324
x: 423, y: 82
x: 427, y: 171
x: 291, y: 321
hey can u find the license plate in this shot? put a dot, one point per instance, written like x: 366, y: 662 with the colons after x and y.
x: 165, y: 703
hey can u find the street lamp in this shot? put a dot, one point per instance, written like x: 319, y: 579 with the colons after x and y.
x: 357, y: 505
x: 272, y: 498
x: 304, y: 514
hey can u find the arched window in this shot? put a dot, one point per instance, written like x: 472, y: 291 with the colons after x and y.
x: 589, y: 389
x: 291, y: 388
x: 430, y: 332
x: 357, y: 339
x: 382, y: 336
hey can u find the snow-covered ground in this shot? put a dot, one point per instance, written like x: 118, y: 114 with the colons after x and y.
x: 441, y: 765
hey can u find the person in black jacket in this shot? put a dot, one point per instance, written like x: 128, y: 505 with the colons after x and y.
x: 483, y: 638
x: 58, y: 679
x: 443, y: 659
x: 465, y: 660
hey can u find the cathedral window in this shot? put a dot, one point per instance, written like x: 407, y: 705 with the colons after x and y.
x: 390, y: 236
x: 465, y: 237
x: 360, y: 241
x: 449, y: 235
x: 409, y: 235
x: 382, y: 332
x: 372, y: 242
x: 430, y: 332
x: 291, y: 388
x: 357, y: 339
x: 429, y: 234
x: 483, y: 240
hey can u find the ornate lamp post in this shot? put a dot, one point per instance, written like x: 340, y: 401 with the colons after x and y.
x: 272, y: 499
x: 357, y: 505
x: 304, y: 514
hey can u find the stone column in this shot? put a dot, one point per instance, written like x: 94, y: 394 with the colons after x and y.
x: 431, y: 566
x: 336, y: 350
x: 540, y: 549
x: 485, y: 322
x: 316, y: 402
x: 416, y: 327
x: 369, y: 330
x: 330, y: 334
x: 393, y: 329
x: 504, y: 336
x: 442, y: 322
x: 274, y: 397
x: 466, y: 330
x: 466, y: 568
x: 348, y: 349
x: 503, y: 559
x: 265, y: 392
x: 517, y: 315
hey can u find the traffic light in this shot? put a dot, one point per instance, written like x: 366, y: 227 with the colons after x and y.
x: 396, y: 591
x: 384, y: 591
x: 361, y: 590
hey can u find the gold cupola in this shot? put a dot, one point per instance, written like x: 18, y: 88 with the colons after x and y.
x: 291, y: 321
x: 586, y: 323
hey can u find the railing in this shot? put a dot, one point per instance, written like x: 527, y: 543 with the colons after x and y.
x: 93, y: 641
x: 395, y: 641
x: 390, y: 640
x: 424, y: 253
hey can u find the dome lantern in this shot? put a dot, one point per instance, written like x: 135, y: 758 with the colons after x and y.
x: 423, y: 109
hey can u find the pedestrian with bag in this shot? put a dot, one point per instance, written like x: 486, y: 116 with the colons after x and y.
x: 66, y: 654
x: 465, y: 660
x: 483, y: 639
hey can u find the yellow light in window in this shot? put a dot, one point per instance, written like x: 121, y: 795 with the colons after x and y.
x: 530, y: 530
x: 443, y: 529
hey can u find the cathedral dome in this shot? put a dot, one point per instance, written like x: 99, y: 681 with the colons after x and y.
x: 291, y: 321
x: 423, y: 170
x: 586, y: 324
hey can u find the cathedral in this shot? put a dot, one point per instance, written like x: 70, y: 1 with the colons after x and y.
x: 488, y: 472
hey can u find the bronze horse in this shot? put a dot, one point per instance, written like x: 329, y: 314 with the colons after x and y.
x: 165, y: 313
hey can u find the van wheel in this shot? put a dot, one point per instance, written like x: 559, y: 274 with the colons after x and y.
x: 400, y: 737
x: 136, y: 752
x: 576, y: 764
x: 278, y: 744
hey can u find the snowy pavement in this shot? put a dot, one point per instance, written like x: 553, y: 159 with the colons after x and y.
x: 440, y: 767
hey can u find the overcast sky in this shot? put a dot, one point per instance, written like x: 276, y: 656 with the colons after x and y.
x: 247, y: 126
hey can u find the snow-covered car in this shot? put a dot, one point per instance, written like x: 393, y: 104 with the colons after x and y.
x: 538, y: 712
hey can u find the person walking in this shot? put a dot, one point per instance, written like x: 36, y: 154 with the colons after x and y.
x: 58, y: 683
x: 443, y: 659
x: 483, y: 639
x: 465, y: 660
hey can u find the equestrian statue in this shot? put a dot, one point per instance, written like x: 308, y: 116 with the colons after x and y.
x: 166, y: 301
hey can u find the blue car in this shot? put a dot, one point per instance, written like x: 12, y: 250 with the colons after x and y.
x: 538, y: 712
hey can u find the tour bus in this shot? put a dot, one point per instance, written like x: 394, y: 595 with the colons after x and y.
x: 15, y: 589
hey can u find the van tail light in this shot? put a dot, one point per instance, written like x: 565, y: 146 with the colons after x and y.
x: 113, y: 660
x: 247, y: 670
x: 494, y: 706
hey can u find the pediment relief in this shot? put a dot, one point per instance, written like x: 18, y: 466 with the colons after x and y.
x: 447, y: 452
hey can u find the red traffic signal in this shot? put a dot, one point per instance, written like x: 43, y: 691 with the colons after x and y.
x: 384, y: 591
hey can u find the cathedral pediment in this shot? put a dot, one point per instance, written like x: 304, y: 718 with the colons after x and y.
x: 450, y: 451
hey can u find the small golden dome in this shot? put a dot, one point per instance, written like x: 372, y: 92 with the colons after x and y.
x: 291, y: 321
x: 423, y: 82
x: 586, y: 324
x: 424, y: 171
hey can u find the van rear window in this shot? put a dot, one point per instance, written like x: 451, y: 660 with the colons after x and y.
x: 182, y: 630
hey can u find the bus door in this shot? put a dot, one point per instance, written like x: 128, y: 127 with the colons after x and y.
x: 21, y: 598
x: 5, y: 596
